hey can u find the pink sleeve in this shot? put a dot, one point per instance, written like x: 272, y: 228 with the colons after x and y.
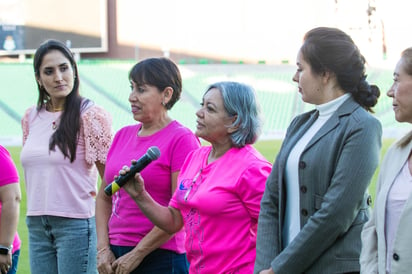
x: 182, y: 147
x: 8, y: 174
x: 25, y: 123
x: 252, y: 185
x: 97, y: 127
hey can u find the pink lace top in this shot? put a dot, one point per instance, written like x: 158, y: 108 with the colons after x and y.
x: 55, y: 186
x: 96, y: 124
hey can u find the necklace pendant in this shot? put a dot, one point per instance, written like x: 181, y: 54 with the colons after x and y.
x: 54, y: 125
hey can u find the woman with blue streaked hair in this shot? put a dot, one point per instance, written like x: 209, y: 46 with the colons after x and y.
x: 220, y: 186
x: 240, y: 102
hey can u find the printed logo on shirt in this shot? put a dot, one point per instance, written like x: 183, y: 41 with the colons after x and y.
x: 183, y: 188
x: 194, y: 234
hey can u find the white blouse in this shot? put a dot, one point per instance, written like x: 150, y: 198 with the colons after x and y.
x: 292, y: 212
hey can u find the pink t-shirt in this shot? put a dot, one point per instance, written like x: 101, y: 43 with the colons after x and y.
x: 220, y: 204
x: 54, y: 186
x: 8, y: 175
x: 127, y: 224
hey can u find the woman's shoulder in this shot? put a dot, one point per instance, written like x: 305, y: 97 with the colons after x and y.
x: 90, y: 108
x: 127, y: 131
x: 251, y: 155
x: 92, y: 114
x: 29, y: 110
x: 176, y: 125
x: 29, y: 115
x: 365, y: 120
x: 175, y: 130
x: 400, y: 146
x: 245, y: 157
x: 301, y: 118
x: 200, y: 151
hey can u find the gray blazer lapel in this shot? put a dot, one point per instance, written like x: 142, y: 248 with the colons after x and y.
x: 305, y: 121
x: 346, y: 108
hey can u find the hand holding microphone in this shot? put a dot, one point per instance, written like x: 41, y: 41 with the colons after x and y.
x: 152, y: 154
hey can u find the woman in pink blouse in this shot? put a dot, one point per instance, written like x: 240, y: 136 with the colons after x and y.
x: 220, y: 186
x: 65, y: 142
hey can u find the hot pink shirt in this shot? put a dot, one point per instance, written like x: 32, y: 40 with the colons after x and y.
x: 127, y: 224
x: 54, y: 186
x: 221, y: 210
x: 8, y: 175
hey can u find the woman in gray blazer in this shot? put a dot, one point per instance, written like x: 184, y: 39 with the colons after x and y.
x: 387, y: 237
x: 315, y: 202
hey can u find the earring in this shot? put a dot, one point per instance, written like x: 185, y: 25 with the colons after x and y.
x: 163, y: 104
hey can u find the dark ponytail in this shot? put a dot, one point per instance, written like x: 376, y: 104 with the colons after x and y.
x: 332, y: 50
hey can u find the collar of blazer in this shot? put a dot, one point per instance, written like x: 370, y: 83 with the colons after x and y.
x: 347, y: 107
x: 395, y: 159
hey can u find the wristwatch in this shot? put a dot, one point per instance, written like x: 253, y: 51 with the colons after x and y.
x: 4, y: 250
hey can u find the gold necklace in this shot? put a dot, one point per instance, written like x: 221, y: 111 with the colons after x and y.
x: 50, y: 108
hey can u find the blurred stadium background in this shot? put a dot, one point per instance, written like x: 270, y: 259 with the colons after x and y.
x: 251, y: 41
x: 106, y: 83
x: 243, y: 40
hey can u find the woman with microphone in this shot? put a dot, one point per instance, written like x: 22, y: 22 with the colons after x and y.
x: 220, y: 185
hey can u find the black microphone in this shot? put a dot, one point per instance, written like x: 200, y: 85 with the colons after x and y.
x: 152, y: 154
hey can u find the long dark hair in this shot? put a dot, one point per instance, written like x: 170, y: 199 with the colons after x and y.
x: 332, y: 50
x: 67, y: 133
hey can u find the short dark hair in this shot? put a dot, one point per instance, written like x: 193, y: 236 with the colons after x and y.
x: 161, y: 73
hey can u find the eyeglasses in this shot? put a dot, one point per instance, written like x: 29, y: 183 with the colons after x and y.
x: 192, y: 184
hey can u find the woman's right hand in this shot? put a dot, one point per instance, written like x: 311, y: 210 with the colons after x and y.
x: 105, y: 258
x: 134, y: 187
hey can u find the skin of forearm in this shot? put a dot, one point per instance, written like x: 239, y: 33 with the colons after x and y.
x: 103, y: 212
x: 10, y: 212
x: 165, y: 218
x: 153, y: 240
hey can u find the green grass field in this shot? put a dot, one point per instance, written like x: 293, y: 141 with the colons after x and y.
x: 269, y: 149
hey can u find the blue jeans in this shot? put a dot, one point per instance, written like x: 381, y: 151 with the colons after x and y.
x: 14, y: 262
x: 59, y: 245
x: 160, y: 261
